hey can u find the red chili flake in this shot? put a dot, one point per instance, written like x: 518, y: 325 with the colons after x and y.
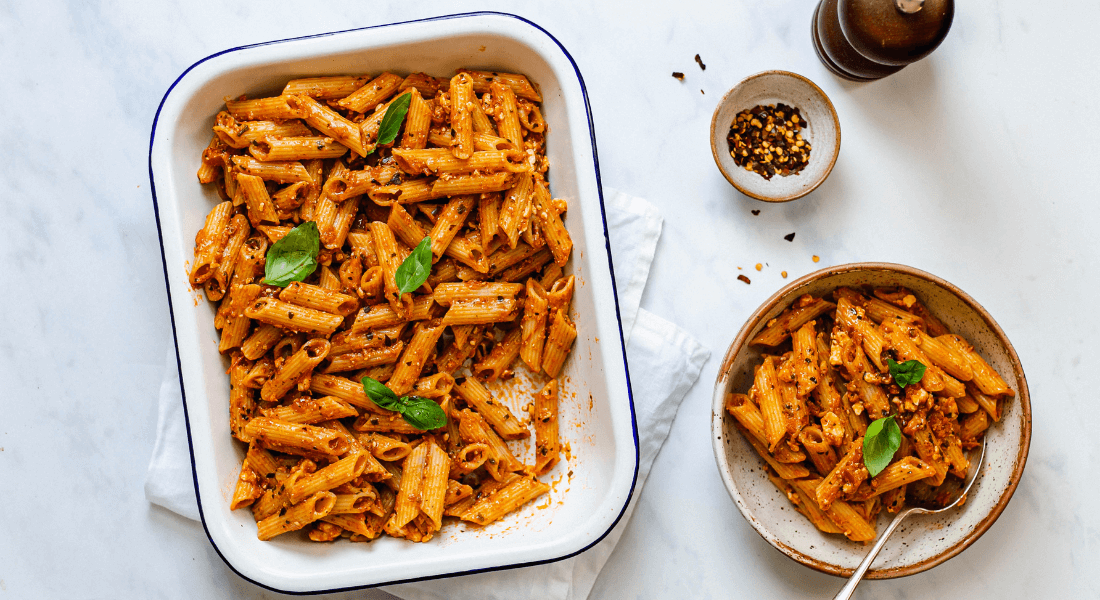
x: 743, y: 278
x: 678, y: 75
x: 789, y: 237
x: 700, y: 61
x: 755, y: 212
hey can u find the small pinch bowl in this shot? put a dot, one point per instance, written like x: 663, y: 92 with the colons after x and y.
x: 823, y: 134
x: 924, y: 541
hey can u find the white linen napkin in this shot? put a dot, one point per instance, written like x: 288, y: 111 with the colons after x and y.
x: 666, y: 356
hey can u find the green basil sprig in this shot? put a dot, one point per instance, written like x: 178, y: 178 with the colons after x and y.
x: 906, y: 373
x: 882, y: 440
x: 421, y: 413
x: 294, y: 257
x: 391, y: 121
x: 414, y: 271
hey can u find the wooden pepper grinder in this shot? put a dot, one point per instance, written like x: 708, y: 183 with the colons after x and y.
x: 864, y: 40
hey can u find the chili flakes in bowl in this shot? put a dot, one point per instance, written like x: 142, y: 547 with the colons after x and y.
x: 767, y: 139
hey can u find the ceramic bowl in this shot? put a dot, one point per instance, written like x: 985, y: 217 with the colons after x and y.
x: 591, y: 488
x: 922, y: 541
x: 823, y: 134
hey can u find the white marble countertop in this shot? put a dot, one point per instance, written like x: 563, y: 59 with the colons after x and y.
x: 976, y: 164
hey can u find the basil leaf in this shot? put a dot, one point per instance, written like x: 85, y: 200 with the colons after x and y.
x: 882, y: 440
x: 906, y: 373
x: 415, y: 270
x: 422, y: 413
x: 419, y: 412
x: 294, y: 257
x: 391, y: 121
x: 380, y: 394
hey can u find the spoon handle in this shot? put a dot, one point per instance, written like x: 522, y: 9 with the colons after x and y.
x: 850, y: 587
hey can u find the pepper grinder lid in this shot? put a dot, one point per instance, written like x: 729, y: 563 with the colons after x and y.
x: 895, y: 32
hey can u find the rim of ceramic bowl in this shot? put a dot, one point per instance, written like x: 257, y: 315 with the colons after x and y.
x: 718, y: 413
x: 714, y: 145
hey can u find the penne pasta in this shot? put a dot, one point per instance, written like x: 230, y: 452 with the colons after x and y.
x: 461, y: 99
x: 210, y: 243
x: 365, y: 358
x: 440, y: 161
x: 418, y: 120
x: 557, y: 237
x: 515, y: 211
x: 277, y: 108
x: 805, y: 309
x: 497, y: 364
x: 474, y: 183
x: 495, y: 413
x: 516, y: 493
x: 240, y: 134
x: 296, y: 436
x: 505, y: 112
x: 545, y: 418
x: 533, y: 325
x: 519, y: 84
x: 465, y: 171
x: 416, y: 354
x: 449, y: 223
x: 291, y: 316
x: 328, y: 122
x: 297, y: 516
x: 371, y: 94
x: 312, y: 296
x: 312, y: 411
x: 335, y: 474
x: 326, y: 88
x: 277, y: 171
x: 811, y: 400
x: 270, y: 148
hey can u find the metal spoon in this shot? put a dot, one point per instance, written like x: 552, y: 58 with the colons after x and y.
x: 849, y: 588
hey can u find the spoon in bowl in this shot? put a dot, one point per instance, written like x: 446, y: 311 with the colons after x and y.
x: 849, y: 588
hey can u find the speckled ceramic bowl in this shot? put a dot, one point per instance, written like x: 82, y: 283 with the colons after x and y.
x: 921, y: 542
x: 823, y: 134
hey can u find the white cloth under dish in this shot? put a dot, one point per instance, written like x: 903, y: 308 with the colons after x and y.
x: 664, y: 362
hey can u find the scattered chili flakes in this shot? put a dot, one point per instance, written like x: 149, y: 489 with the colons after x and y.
x: 816, y: 258
x: 700, y: 61
x: 756, y: 212
x: 743, y: 278
x: 789, y: 237
x: 767, y: 140
x: 678, y: 75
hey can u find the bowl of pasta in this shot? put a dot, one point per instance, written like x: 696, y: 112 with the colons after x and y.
x: 858, y: 390
x: 400, y: 358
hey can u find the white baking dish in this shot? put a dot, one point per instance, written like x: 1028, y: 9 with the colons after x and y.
x: 593, y: 483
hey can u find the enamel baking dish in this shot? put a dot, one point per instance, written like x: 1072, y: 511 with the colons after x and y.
x: 590, y: 487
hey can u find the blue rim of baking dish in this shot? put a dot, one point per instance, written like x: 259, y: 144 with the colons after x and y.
x: 610, y: 263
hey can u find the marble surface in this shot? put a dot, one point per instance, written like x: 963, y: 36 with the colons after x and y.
x: 976, y: 164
